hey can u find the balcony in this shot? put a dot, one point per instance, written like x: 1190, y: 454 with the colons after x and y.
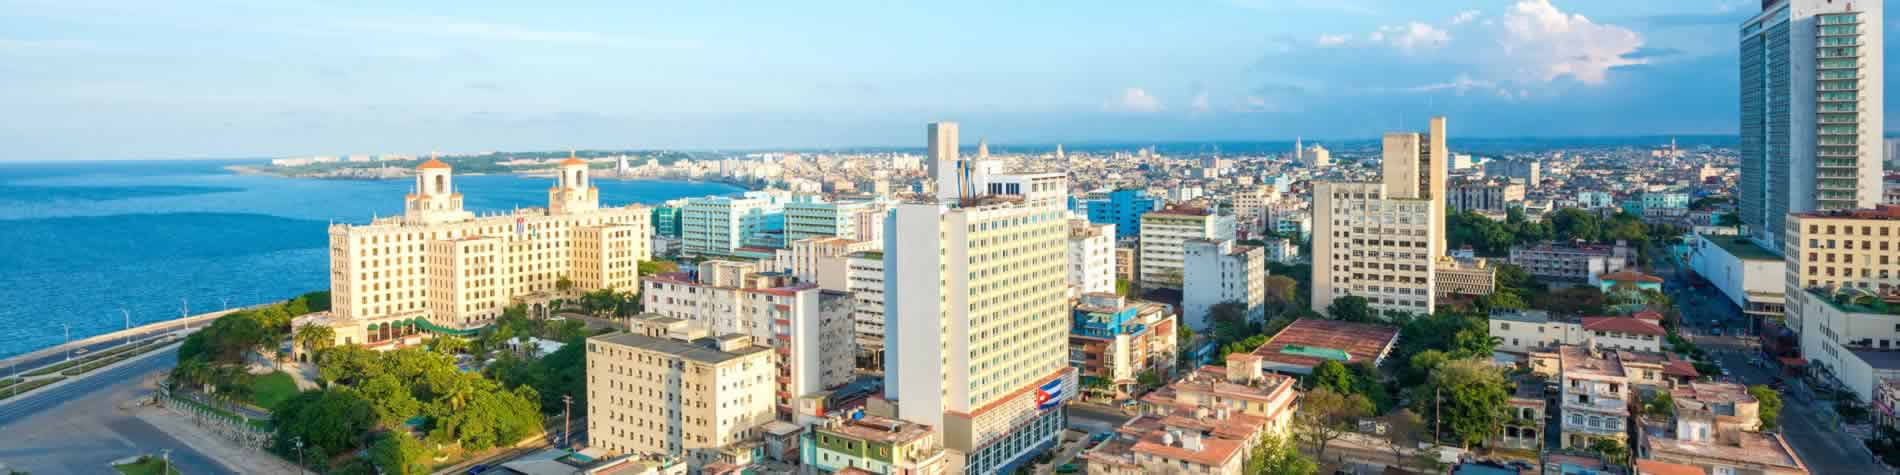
x: 1823, y: 53
x: 1838, y: 118
x: 1823, y: 65
x: 1830, y: 184
x: 1849, y: 164
x: 1836, y: 154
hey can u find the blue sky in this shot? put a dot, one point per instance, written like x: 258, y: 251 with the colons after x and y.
x: 86, y: 79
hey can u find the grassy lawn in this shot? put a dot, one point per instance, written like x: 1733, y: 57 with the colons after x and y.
x: 147, y: 466
x: 272, y: 389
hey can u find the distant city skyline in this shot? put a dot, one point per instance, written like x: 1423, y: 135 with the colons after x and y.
x: 111, y: 80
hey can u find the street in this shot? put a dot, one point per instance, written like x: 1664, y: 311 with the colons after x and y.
x: 78, y: 427
x: 1095, y: 418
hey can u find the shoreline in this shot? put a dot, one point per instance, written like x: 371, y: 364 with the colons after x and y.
x: 141, y: 332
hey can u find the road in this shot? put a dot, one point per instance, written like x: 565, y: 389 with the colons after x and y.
x: 78, y: 427
x: 26, y: 364
x: 1095, y: 418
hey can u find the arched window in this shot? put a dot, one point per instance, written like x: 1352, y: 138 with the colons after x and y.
x: 441, y: 184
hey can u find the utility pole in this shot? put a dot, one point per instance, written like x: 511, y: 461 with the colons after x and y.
x: 299, y: 442
x: 1437, y: 415
x: 166, y: 455
x: 567, y: 434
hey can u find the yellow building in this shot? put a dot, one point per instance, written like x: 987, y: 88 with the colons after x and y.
x: 667, y: 387
x: 442, y: 268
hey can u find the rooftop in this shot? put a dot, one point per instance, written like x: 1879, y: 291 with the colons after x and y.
x: 1307, y: 337
x: 1580, y: 361
x: 1755, y: 448
x: 1877, y: 213
x: 1623, y: 324
x: 1631, y: 276
x: 1180, y: 211
x: 1742, y: 248
x: 878, y: 429
x: 1852, y: 300
x: 704, y: 350
x: 1657, y: 467
x: 1522, y: 316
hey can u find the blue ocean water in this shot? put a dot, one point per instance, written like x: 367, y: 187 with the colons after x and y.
x: 80, y: 240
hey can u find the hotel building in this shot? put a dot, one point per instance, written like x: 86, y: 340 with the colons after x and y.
x: 1811, y: 76
x: 976, y: 312
x: 441, y: 268
x: 1843, y: 271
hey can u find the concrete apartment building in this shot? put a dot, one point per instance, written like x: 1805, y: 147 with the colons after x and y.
x: 1844, y: 293
x: 1380, y: 240
x: 668, y: 387
x: 978, y: 277
x: 1220, y: 271
x: 1527, y: 170
x: 1527, y: 331
x: 1124, y: 209
x: 719, y: 225
x: 1751, y: 277
x: 1091, y: 257
x: 874, y: 445
x: 1472, y: 277
x: 1251, y: 204
x: 1572, y: 262
x: 809, y: 217
x: 1811, y: 99
x: 812, y: 328
x: 1494, y: 195
x: 1163, y: 234
x: 1595, y: 396
x: 440, y: 268
x: 1114, y: 340
x: 864, y: 279
x: 1206, y: 423
x: 822, y: 259
x: 1716, y: 429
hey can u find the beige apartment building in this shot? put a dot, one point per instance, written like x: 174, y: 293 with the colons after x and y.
x: 668, y: 387
x: 1164, y: 232
x: 1206, y: 423
x: 1467, y: 277
x: 1492, y: 195
x: 1380, y: 240
x: 441, y: 268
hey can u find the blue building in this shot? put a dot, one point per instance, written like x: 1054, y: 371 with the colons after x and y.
x: 666, y: 221
x: 1123, y: 208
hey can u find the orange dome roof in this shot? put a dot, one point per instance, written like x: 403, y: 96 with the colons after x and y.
x: 572, y: 161
x: 432, y: 163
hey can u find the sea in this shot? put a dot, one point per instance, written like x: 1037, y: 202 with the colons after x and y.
x: 79, y: 241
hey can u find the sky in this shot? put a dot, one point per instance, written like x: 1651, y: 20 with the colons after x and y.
x: 84, y: 79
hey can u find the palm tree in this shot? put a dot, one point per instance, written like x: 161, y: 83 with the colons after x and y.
x: 458, y: 395
x: 314, y: 337
x: 191, y: 371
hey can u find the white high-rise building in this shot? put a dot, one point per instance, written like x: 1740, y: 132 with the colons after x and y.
x: 1812, y: 101
x: 438, y: 265
x: 1219, y: 271
x: 977, y: 315
x: 1091, y: 257
x: 1381, y: 240
x: 1162, y: 234
x: 717, y: 225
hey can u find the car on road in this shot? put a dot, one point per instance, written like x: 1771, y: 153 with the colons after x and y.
x: 477, y: 470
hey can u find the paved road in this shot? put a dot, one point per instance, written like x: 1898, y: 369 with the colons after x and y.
x: 1095, y: 418
x: 78, y: 427
x: 23, y: 365
x: 1823, y: 447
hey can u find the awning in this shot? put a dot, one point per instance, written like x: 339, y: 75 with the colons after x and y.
x: 431, y: 327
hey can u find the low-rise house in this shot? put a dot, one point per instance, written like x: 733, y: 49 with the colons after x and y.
x: 878, y: 445
x: 1206, y: 423
x: 1714, y: 428
x: 1307, y: 342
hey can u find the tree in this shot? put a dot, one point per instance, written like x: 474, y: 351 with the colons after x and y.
x: 1500, y: 299
x: 1769, y: 407
x: 1576, y: 224
x: 448, y: 345
x: 657, y: 267
x: 1404, y: 429
x: 1274, y: 456
x: 1149, y: 378
x: 1351, y: 308
x: 332, y: 420
x: 393, y: 401
x: 564, y: 284
x: 1464, y: 398
x: 1663, y: 405
x: 1610, y: 450
x: 1334, y: 376
x: 315, y: 338
x: 398, y: 453
x: 349, y: 364
x: 1228, y: 320
x: 1326, y: 415
x: 1282, y: 290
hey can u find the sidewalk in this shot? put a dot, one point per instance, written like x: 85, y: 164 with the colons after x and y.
x: 204, y: 440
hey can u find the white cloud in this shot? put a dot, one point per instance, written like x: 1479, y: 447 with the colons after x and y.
x: 1531, y: 42
x: 1544, y: 43
x: 1462, y: 84
x: 1135, y: 99
x: 1464, y: 17
x: 1413, y: 36
x: 1199, y: 104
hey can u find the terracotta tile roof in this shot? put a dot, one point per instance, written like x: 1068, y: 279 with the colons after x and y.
x: 1363, y: 341
x: 432, y: 163
x: 1656, y: 467
x: 1649, y: 315
x: 1623, y: 324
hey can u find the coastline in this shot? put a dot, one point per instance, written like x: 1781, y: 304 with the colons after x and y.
x: 404, y: 173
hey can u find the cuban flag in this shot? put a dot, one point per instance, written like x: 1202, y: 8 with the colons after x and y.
x: 1049, y: 395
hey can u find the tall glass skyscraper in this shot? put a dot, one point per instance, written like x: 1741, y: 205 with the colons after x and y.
x: 1811, y: 111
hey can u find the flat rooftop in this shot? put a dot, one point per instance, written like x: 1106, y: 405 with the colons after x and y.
x: 882, y: 430
x: 1578, y: 361
x: 1756, y: 448
x: 704, y: 350
x: 1742, y: 248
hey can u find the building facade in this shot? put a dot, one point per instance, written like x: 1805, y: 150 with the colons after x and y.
x: 449, y: 270
x: 636, y: 383
x: 979, y: 279
x: 1091, y: 257
x: 1113, y: 340
x: 1843, y: 271
x: 1495, y: 196
x: 1380, y: 240
x: 1164, y: 232
x: 1811, y: 72
x: 1572, y: 262
x: 877, y: 445
x: 718, y: 225
x: 1220, y: 271
x: 1123, y: 208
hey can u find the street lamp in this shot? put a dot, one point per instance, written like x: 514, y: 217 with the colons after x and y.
x: 299, y: 442
x: 166, y: 455
x: 69, y: 340
x: 227, y: 303
x: 128, y: 324
x: 567, y: 434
